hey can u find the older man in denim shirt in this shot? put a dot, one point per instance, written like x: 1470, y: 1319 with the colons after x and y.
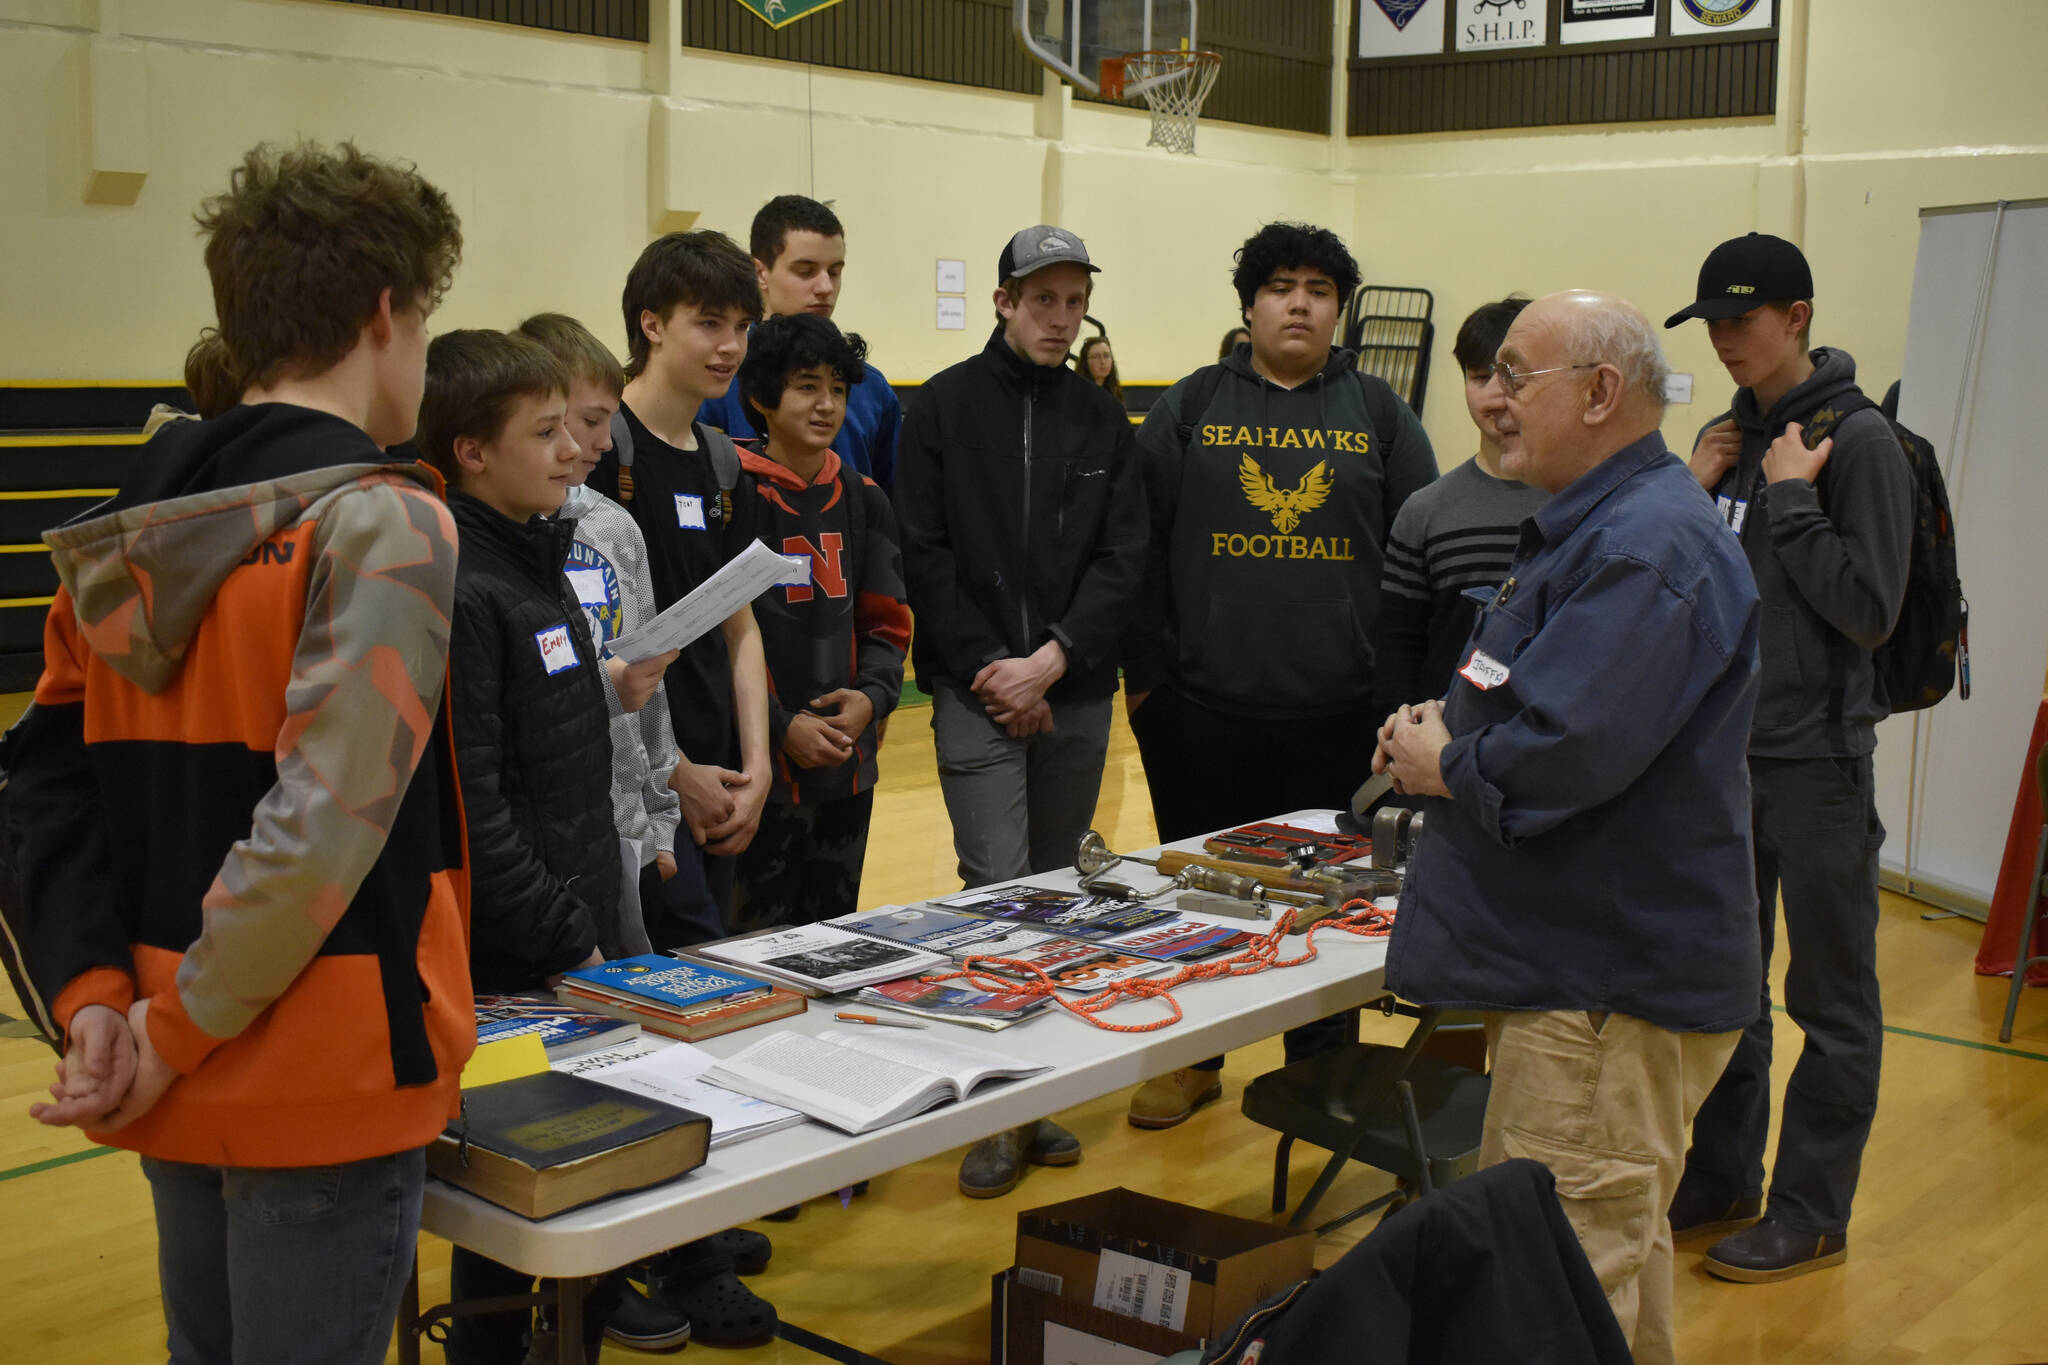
x: 1585, y: 879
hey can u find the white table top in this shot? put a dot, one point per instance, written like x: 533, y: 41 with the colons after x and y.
x: 750, y: 1178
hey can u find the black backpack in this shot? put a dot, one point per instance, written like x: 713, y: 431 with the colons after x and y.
x: 1928, y: 650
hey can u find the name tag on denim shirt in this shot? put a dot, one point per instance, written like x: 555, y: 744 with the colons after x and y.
x: 1484, y: 671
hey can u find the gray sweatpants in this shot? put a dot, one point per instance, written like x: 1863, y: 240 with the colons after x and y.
x: 1018, y: 806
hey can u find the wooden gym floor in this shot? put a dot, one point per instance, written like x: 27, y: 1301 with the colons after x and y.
x: 1943, y: 1263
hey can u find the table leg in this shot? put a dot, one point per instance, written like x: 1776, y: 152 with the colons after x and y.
x: 409, y: 1318
x: 569, y: 1294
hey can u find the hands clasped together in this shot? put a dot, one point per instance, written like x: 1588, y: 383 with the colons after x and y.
x: 110, y: 1075
x: 1411, y: 746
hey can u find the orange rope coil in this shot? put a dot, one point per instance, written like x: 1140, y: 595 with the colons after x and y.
x: 1360, y: 918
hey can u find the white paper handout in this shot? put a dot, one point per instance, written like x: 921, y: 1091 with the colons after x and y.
x: 750, y: 573
x: 673, y: 1074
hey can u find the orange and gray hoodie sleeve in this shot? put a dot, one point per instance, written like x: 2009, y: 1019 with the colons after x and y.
x: 367, y: 676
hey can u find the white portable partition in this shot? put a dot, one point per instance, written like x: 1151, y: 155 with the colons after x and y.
x: 1976, y: 372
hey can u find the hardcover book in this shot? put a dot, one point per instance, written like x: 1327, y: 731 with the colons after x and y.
x: 656, y: 979
x: 696, y: 1024
x: 546, y: 1143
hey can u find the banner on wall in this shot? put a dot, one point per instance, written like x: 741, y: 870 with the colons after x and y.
x: 1499, y: 25
x: 1607, y: 21
x: 1690, y: 18
x: 1400, y: 28
x: 780, y: 13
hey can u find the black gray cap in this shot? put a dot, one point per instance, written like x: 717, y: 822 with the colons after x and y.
x: 1038, y: 247
x: 1745, y: 272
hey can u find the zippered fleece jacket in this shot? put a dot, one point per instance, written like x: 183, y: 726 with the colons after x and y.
x: 1830, y: 560
x: 1023, y: 520
x: 235, y: 794
x: 1262, y: 577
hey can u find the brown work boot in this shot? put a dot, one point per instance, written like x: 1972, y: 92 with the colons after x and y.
x: 1167, y: 1100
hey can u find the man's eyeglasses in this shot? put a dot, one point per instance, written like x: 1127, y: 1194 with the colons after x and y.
x: 1512, y: 380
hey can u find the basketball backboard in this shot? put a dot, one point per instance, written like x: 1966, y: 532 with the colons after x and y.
x: 1074, y: 37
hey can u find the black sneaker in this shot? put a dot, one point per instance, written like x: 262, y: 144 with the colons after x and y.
x: 1694, y: 1214
x: 1770, y: 1251
x: 645, y: 1324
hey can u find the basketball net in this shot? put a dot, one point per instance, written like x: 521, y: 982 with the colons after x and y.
x: 1173, y: 83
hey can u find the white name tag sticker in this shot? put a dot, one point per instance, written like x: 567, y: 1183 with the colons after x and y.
x: 1484, y: 671
x: 1733, y: 512
x: 689, y: 512
x: 588, y: 585
x: 557, y: 651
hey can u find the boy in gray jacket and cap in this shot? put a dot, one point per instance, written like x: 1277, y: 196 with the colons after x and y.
x: 1826, y: 521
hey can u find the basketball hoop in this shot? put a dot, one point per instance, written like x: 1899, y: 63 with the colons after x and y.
x: 1174, y: 85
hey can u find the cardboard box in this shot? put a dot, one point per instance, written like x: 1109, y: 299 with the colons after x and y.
x: 1032, y: 1327
x: 1187, y: 1269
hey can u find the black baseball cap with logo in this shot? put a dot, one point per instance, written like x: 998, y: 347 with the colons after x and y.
x: 1745, y: 272
x: 1035, y: 248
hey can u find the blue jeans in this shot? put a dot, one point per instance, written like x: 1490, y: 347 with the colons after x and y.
x: 305, y: 1264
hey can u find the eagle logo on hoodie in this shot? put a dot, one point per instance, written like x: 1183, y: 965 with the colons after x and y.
x: 1285, y: 506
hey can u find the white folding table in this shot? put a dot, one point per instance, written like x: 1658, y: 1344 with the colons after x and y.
x: 749, y: 1179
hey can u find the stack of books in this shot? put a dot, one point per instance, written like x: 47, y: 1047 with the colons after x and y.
x: 685, y: 1000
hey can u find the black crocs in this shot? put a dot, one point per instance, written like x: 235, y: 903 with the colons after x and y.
x: 746, y: 1249
x: 697, y: 1280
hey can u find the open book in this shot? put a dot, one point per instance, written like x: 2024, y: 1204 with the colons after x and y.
x: 858, y: 1082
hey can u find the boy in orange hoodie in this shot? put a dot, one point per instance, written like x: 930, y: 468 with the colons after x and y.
x: 235, y: 807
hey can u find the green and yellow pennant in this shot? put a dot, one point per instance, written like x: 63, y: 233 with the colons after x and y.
x: 782, y: 13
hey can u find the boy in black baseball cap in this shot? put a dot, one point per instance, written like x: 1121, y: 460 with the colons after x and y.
x: 1023, y: 533
x: 1830, y: 566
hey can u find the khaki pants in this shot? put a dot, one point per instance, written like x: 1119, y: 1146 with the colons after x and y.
x: 1604, y: 1101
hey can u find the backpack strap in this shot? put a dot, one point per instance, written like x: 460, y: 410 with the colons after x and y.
x: 1824, y: 425
x: 1202, y: 386
x: 622, y: 446
x: 725, y: 456
x: 1383, y: 407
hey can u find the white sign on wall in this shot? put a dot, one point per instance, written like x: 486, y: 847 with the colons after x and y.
x: 952, y: 277
x: 1690, y: 18
x: 1607, y: 21
x: 952, y: 315
x: 1499, y: 25
x: 1400, y: 28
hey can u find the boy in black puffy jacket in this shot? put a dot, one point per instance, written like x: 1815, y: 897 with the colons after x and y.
x: 532, y: 739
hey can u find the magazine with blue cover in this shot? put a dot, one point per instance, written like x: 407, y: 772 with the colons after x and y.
x: 656, y: 979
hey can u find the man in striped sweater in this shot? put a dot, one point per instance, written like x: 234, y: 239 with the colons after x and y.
x: 1452, y: 537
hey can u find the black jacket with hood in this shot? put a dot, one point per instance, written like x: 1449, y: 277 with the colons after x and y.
x: 533, y: 747
x: 1262, y: 577
x: 1830, y: 560
x: 1022, y: 520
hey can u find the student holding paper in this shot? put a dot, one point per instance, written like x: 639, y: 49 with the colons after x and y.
x: 835, y: 641
x: 688, y: 303
x: 531, y: 735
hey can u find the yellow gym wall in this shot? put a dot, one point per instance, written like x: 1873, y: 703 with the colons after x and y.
x: 564, y: 154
